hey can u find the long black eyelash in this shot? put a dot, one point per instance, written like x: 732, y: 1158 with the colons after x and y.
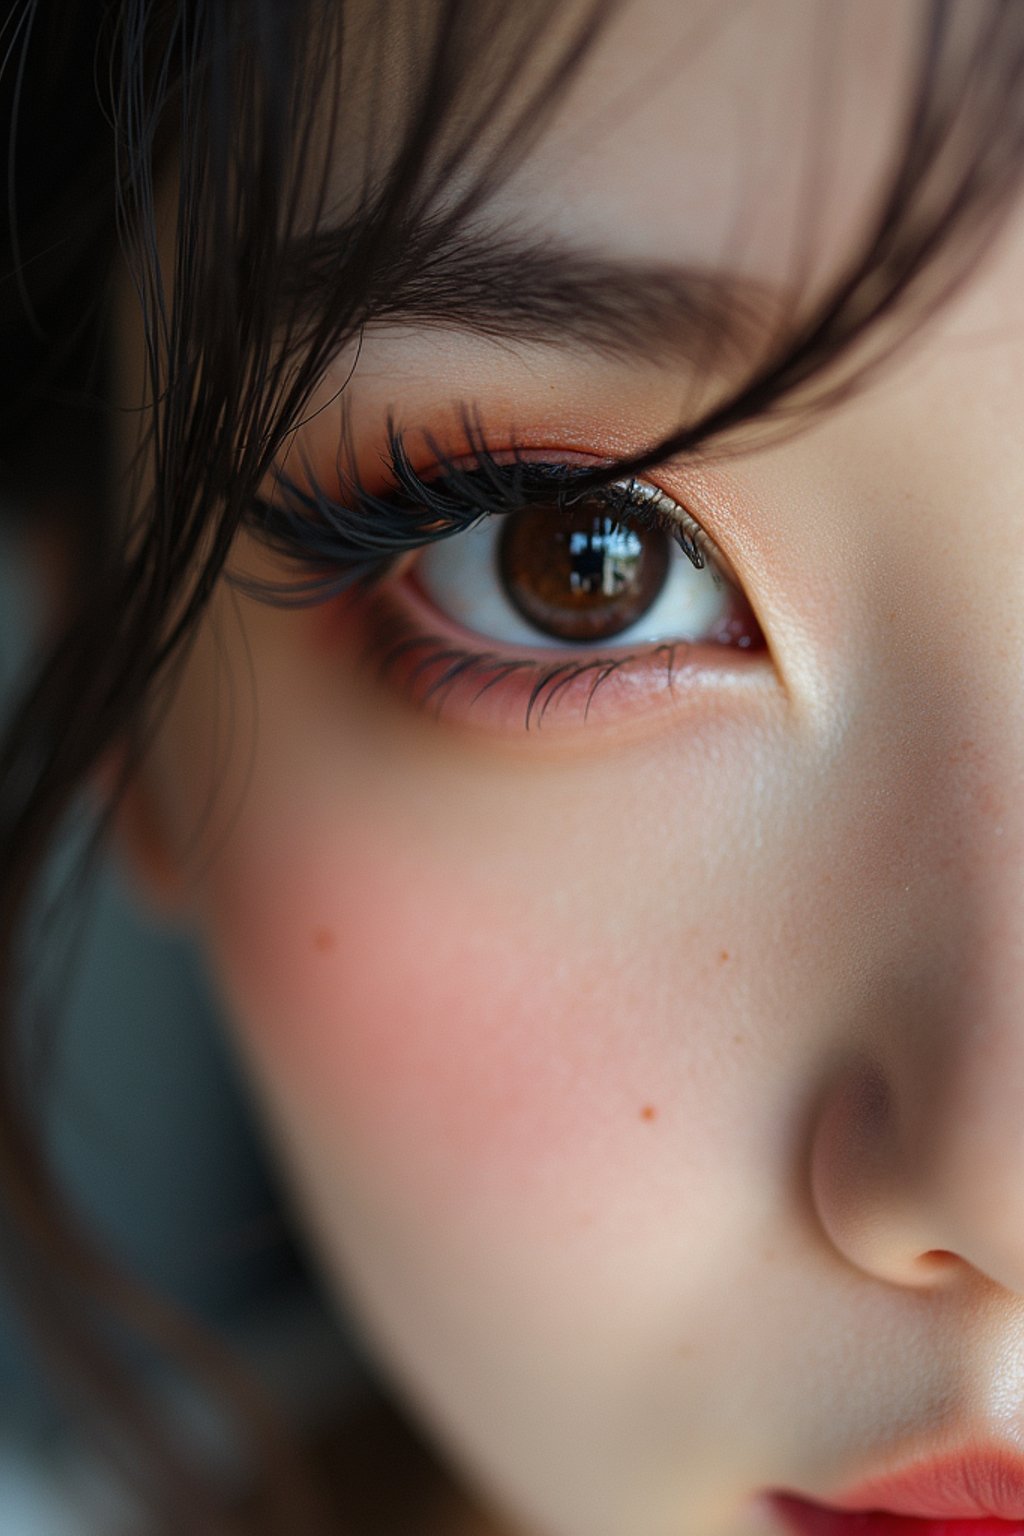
x: 352, y: 540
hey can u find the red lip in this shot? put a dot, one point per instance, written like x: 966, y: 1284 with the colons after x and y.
x: 980, y: 1494
x: 807, y: 1519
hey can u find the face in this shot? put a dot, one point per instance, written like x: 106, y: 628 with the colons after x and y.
x: 648, y: 1075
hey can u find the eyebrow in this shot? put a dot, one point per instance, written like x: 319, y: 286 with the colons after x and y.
x: 543, y: 292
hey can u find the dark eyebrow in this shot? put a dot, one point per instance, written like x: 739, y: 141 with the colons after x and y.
x: 539, y: 291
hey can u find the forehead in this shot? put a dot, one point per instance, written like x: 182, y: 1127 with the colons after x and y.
x: 724, y: 131
x: 750, y: 137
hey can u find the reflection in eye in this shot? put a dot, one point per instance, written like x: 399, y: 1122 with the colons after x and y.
x: 579, y: 576
x: 584, y: 576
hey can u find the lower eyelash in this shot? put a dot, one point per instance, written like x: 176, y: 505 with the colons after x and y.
x: 429, y: 667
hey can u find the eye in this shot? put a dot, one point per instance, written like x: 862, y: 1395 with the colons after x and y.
x: 586, y: 575
x: 516, y: 590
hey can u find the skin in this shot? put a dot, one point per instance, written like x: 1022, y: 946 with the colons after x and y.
x: 650, y: 1089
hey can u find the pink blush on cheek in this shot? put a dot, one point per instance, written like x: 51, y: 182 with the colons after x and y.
x: 413, y: 1028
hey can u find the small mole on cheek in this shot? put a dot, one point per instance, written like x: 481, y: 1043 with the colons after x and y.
x: 648, y: 1112
x: 723, y: 955
x: 323, y: 940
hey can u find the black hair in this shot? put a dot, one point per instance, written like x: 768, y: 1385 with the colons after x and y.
x: 240, y: 107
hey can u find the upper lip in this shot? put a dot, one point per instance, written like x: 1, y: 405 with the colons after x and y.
x: 974, y: 1483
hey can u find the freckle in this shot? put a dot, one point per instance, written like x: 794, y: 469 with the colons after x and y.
x: 991, y: 802
x: 739, y: 1039
x: 723, y: 955
x: 648, y: 1112
x: 323, y: 940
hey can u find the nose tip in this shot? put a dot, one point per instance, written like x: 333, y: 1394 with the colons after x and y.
x: 907, y: 1194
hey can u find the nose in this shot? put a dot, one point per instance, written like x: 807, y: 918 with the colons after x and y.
x: 916, y: 1150
x: 913, y: 1187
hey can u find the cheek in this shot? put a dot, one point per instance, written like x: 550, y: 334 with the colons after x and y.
x: 503, y: 1003
x: 454, y: 1035
x: 460, y: 991
x: 408, y: 1011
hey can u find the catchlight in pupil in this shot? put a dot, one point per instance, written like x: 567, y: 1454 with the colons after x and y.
x: 603, y: 557
x: 579, y: 574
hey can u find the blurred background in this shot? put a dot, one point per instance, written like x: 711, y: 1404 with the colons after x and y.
x: 155, y: 1142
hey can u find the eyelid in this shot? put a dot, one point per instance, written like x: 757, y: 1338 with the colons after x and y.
x: 457, y: 678
x: 622, y: 496
x: 693, y: 537
x: 355, y: 538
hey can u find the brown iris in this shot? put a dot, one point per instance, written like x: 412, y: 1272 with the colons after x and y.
x: 579, y: 574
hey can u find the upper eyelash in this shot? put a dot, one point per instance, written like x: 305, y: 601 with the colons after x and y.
x: 354, y: 542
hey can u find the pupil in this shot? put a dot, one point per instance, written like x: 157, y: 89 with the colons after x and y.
x: 580, y: 575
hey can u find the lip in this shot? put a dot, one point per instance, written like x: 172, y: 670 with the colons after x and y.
x: 973, y: 1494
x: 805, y: 1518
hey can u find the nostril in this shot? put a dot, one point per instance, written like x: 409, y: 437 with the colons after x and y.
x: 939, y: 1258
x: 866, y: 1187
